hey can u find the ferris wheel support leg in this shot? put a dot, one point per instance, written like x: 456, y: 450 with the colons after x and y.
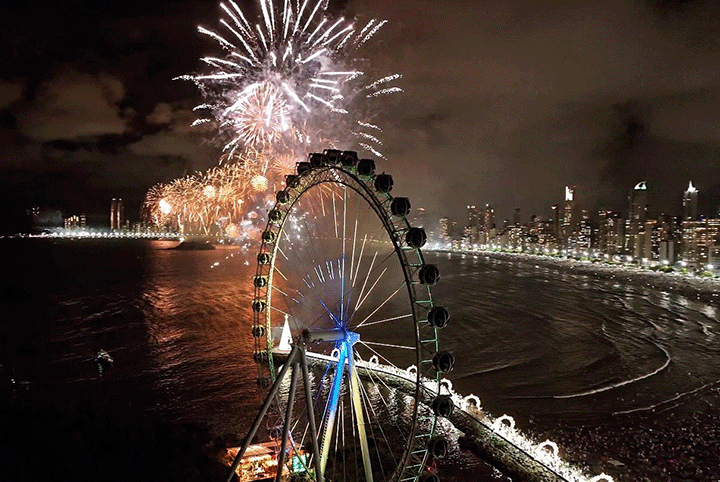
x: 287, y: 422
x: 263, y: 410
x: 311, y: 416
x: 334, y: 397
x: 359, y: 416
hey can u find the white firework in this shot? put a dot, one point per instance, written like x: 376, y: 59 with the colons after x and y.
x: 288, y: 82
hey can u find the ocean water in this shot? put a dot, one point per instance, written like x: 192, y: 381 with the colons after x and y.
x: 623, y: 376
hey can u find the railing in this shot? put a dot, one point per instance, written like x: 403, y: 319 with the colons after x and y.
x: 508, y: 447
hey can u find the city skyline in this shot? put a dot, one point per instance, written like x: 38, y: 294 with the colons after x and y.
x: 688, y: 206
x: 688, y: 203
x: 535, y: 99
x: 637, y: 235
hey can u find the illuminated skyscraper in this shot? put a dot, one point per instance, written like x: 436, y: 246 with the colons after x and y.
x: 697, y: 239
x: 473, y: 216
x: 557, y: 233
x: 117, y: 214
x: 584, y: 231
x: 420, y: 217
x: 569, y: 216
x: 444, y: 229
x: 637, y: 215
x: 489, y: 218
x: 690, y: 203
x: 639, y: 203
x: 610, y: 233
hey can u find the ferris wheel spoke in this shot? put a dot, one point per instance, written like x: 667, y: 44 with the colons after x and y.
x: 379, y: 355
x: 362, y: 250
x: 279, y: 291
x: 279, y: 310
x: 283, y: 253
x: 307, y: 281
x: 394, y: 318
x: 335, y: 215
x: 328, y: 274
x: 357, y: 269
x: 318, y: 272
x: 361, y: 298
x: 298, y: 262
x: 390, y: 345
x: 280, y: 273
x: 352, y: 256
x: 336, y: 321
x: 381, y: 305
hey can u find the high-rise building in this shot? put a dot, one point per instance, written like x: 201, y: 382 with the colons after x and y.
x: 697, y: 238
x: 489, y: 218
x: 540, y: 232
x: 117, y: 214
x: 420, y: 217
x: 556, y: 222
x: 610, y: 233
x: 584, y: 232
x: 690, y: 203
x: 473, y: 216
x: 639, y: 202
x: 569, y: 216
x: 516, y: 217
x: 444, y: 229
x: 637, y: 215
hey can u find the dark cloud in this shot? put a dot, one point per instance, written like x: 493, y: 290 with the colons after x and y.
x: 74, y: 105
x: 178, y: 137
x: 10, y: 92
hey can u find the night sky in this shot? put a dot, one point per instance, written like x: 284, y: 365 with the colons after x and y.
x: 505, y: 101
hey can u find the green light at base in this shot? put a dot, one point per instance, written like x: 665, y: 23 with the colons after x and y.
x: 300, y: 463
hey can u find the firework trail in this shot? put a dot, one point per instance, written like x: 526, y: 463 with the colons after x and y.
x: 288, y: 82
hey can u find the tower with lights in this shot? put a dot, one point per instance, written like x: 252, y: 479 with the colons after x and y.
x: 637, y: 215
x: 117, y: 214
x: 690, y: 203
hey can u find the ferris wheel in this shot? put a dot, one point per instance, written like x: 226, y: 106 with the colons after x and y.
x: 343, y: 304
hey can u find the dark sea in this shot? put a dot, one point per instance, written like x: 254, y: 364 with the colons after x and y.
x: 623, y: 376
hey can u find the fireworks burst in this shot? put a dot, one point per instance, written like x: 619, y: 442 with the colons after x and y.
x: 207, y: 203
x: 286, y: 84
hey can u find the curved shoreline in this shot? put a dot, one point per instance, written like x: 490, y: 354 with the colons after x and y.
x: 702, y: 289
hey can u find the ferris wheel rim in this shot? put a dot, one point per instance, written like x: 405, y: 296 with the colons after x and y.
x: 348, y: 177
